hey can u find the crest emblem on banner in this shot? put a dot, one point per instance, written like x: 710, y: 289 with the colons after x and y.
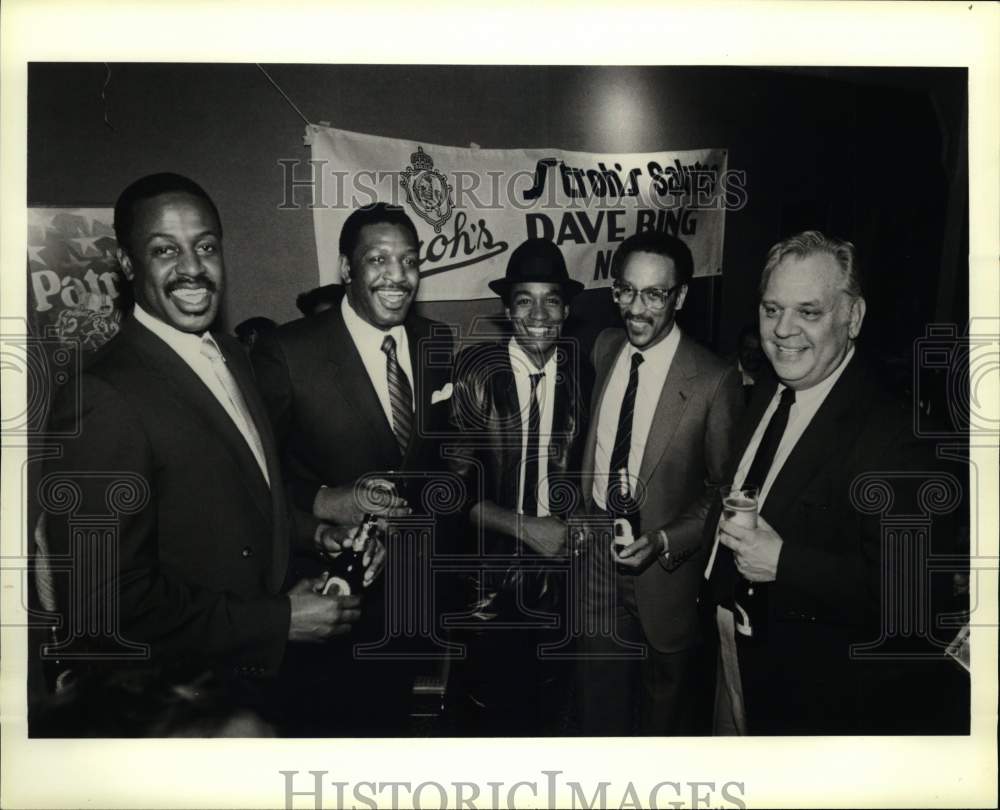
x: 427, y: 190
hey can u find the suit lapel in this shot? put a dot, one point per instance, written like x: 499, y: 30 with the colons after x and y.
x: 813, y: 449
x: 674, y: 397
x: 354, y: 385
x: 183, y: 385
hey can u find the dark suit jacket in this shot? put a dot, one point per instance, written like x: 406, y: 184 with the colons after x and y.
x: 327, y: 416
x: 828, y: 591
x: 684, y: 462
x: 486, y: 416
x: 202, y: 541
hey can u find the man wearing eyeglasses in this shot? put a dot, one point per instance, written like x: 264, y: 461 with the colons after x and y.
x: 656, y: 452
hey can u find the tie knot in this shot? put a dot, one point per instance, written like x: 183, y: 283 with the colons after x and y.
x: 389, y: 345
x: 637, y: 359
x: 210, y: 350
x: 535, y: 378
x: 788, y: 397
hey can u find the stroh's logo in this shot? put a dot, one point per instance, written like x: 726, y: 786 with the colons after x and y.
x: 427, y: 190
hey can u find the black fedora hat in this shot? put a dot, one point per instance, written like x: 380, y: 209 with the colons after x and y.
x: 536, y: 260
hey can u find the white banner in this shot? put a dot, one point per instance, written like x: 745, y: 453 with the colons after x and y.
x: 473, y: 206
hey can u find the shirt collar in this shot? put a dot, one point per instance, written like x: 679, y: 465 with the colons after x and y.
x: 180, y: 342
x: 662, y: 351
x: 818, y: 392
x: 523, y: 365
x: 364, y: 333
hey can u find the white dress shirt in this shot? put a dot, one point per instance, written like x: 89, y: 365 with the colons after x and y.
x: 652, y: 374
x: 368, y: 340
x: 546, y: 393
x: 188, y: 347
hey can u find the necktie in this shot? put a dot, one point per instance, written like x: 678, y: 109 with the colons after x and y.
x: 530, y: 500
x: 768, y: 446
x: 623, y: 443
x: 751, y: 598
x: 248, y: 429
x: 400, y: 395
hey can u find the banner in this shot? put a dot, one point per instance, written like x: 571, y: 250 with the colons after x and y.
x: 74, y: 282
x: 473, y: 206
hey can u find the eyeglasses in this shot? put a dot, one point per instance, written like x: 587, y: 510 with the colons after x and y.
x: 654, y: 298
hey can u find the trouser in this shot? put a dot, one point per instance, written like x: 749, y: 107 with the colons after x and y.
x: 620, y: 692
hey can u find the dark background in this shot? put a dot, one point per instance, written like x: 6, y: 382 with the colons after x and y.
x: 878, y: 156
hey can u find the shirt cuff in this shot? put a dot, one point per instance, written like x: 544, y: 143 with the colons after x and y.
x: 665, y: 554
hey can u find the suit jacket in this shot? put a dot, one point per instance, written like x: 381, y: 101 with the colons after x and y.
x: 828, y: 590
x: 684, y: 462
x: 202, y: 540
x: 486, y: 416
x: 325, y: 412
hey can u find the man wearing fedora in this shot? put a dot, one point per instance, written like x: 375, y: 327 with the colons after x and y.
x: 518, y: 406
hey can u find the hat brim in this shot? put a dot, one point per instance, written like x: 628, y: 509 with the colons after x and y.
x: 570, y: 287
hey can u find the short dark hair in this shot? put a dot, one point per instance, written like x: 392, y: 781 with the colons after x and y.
x: 328, y: 293
x: 374, y: 214
x: 660, y: 244
x: 145, y: 188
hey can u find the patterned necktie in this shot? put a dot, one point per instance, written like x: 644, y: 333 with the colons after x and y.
x: 248, y: 429
x: 530, y: 500
x: 400, y: 395
x: 623, y: 444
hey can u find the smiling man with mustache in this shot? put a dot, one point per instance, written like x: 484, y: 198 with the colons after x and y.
x: 170, y: 443
x: 351, y: 403
x: 664, y: 411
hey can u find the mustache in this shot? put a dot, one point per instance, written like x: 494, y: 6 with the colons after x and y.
x: 406, y: 288
x: 192, y: 284
x: 639, y: 319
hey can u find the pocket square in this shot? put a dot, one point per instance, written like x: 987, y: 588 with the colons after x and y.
x: 442, y: 395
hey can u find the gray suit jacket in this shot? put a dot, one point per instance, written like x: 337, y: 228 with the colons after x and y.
x: 684, y: 462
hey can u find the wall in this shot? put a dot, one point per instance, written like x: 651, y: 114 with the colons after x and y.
x: 802, y: 137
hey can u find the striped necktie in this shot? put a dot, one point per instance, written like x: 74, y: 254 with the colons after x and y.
x: 400, y: 395
x: 623, y: 444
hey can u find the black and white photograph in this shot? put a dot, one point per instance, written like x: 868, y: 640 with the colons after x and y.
x: 499, y: 421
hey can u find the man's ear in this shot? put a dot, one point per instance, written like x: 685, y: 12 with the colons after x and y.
x: 345, y: 270
x: 682, y: 294
x: 857, y: 317
x: 125, y: 262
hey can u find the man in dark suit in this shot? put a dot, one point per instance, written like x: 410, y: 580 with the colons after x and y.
x: 167, y: 497
x: 824, y: 444
x: 659, y: 441
x: 519, y: 412
x: 356, y: 395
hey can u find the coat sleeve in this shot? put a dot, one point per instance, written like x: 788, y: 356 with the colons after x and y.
x: 725, y: 407
x: 465, y: 420
x: 107, y: 471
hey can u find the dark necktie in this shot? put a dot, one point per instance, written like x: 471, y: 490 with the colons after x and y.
x: 530, y: 500
x: 623, y: 443
x: 400, y: 395
x: 751, y: 598
x: 768, y: 446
